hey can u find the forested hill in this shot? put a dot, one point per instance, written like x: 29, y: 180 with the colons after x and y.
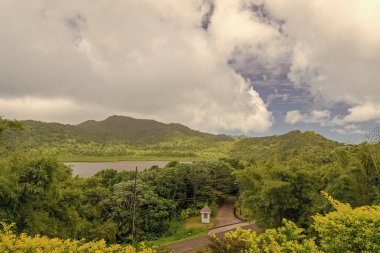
x: 139, y: 138
x: 286, y: 147
x: 117, y: 136
x: 139, y: 130
x: 116, y: 129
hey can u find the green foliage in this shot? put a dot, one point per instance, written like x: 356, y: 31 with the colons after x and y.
x: 349, y: 229
x: 41, y: 197
x: 9, y: 242
x: 278, y: 178
x: 277, y: 194
x: 119, y: 136
x: 192, y: 185
x: 153, y: 212
x: 37, y: 195
x: 179, y: 231
x: 345, y: 230
x: 288, y: 238
x: 9, y: 124
x: 11, y: 127
x: 287, y: 185
x: 283, y: 149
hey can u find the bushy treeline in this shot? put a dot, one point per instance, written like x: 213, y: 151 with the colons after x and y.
x: 287, y: 185
x: 41, y: 197
x: 345, y: 230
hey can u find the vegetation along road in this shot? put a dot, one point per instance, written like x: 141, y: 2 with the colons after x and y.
x: 225, y: 221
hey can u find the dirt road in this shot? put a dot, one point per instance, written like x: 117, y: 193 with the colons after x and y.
x: 226, y: 215
x: 225, y: 221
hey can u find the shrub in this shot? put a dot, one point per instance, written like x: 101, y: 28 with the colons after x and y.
x: 349, y: 229
x: 10, y: 242
x: 345, y: 230
x: 288, y: 238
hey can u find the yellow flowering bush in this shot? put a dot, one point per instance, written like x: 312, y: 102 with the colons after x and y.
x: 288, y: 238
x: 345, y: 230
x: 9, y: 242
x: 349, y: 229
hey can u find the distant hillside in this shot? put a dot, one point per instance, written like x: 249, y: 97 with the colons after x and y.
x: 283, y: 148
x: 115, y: 129
x: 130, y: 130
x: 117, y: 136
x: 131, y: 138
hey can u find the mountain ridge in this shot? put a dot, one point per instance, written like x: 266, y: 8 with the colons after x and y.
x: 115, y: 129
x: 127, y: 136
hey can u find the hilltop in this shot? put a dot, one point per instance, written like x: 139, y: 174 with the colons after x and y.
x: 114, y: 129
x: 121, y: 129
x: 282, y: 148
x: 131, y: 130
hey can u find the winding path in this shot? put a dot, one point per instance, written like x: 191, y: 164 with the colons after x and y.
x: 225, y: 221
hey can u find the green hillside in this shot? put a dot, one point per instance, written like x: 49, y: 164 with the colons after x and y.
x: 139, y: 131
x: 126, y: 138
x: 283, y: 148
x: 117, y: 136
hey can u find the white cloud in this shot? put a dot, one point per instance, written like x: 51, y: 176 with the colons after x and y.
x: 335, y: 45
x: 349, y: 129
x: 323, y: 118
x: 360, y: 113
x: 320, y: 115
x: 315, y: 116
x: 52, y: 110
x: 293, y: 117
x: 365, y: 112
x: 144, y: 58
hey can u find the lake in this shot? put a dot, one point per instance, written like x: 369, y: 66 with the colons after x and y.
x: 88, y: 169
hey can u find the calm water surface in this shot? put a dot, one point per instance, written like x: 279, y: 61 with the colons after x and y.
x: 88, y: 169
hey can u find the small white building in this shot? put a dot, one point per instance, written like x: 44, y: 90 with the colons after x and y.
x: 205, y: 214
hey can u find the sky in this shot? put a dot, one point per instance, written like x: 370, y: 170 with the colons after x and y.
x: 250, y: 67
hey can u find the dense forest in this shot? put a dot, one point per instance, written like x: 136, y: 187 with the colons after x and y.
x: 279, y: 180
x: 286, y: 181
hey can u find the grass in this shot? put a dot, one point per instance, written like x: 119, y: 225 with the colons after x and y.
x: 184, y: 230
x: 195, y: 222
x: 71, y: 158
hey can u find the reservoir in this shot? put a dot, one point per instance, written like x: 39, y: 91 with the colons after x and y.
x: 88, y: 169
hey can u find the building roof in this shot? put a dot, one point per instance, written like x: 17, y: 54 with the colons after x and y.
x: 206, y: 209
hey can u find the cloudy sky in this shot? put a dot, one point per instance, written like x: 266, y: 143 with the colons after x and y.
x: 254, y: 67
